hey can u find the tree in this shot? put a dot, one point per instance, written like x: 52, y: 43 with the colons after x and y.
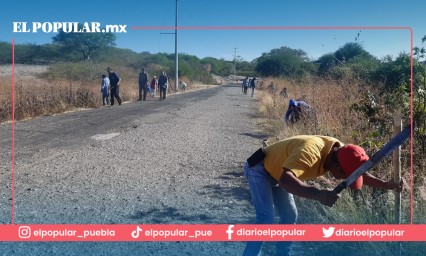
x: 83, y: 42
x: 5, y: 53
x: 393, y: 73
x: 270, y: 66
x: 420, y: 94
x: 218, y: 67
x: 326, y: 63
x: 349, y: 58
x: 283, y: 62
x: 351, y: 50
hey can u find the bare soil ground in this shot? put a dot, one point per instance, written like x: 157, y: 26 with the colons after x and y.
x: 22, y: 71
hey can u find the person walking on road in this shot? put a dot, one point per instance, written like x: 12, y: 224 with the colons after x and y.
x: 280, y: 170
x: 162, y: 84
x: 143, y: 84
x: 253, y: 85
x: 114, y: 80
x: 244, y: 85
x: 153, y: 86
x: 105, y: 90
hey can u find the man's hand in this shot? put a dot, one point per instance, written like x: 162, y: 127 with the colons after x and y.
x: 293, y: 185
x: 391, y: 185
x: 373, y: 181
x: 328, y: 197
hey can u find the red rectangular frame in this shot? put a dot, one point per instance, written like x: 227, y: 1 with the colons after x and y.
x: 241, y: 28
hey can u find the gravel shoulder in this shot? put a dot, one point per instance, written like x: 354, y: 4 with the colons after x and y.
x: 177, y: 161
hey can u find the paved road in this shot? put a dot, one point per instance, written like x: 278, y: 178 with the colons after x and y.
x: 172, y: 161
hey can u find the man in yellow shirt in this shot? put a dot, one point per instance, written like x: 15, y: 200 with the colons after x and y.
x: 278, y: 172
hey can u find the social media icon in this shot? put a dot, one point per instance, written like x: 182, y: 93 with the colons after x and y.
x: 24, y: 232
x: 229, y: 231
x: 328, y: 232
x: 135, y: 234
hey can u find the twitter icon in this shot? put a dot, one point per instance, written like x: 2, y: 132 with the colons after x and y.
x: 328, y: 232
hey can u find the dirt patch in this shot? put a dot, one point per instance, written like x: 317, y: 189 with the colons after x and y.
x: 22, y: 70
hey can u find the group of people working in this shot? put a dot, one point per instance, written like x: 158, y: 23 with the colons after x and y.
x: 111, y: 83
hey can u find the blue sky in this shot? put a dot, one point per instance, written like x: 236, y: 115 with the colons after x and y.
x: 249, y: 44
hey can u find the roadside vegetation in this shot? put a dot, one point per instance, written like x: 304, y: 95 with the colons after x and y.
x: 355, y: 98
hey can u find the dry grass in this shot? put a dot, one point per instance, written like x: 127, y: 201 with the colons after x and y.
x: 35, y: 97
x: 332, y: 101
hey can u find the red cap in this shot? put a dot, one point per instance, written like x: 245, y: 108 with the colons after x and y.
x: 350, y: 158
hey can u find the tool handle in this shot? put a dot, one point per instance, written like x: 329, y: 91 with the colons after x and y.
x: 340, y: 187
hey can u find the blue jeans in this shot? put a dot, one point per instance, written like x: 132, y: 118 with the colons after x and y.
x: 267, y: 197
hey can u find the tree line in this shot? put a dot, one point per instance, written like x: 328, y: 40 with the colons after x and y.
x: 349, y: 60
x: 56, y: 55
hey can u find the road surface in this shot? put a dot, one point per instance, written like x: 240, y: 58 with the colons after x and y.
x: 173, y: 161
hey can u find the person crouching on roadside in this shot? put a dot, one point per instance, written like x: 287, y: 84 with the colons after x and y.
x: 297, y: 109
x: 183, y: 86
x: 280, y: 170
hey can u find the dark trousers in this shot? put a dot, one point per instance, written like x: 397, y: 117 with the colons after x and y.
x: 114, y: 94
x: 245, y: 90
x: 163, y: 91
x: 145, y: 91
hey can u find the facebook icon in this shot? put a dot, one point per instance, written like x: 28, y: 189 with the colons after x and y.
x: 229, y: 231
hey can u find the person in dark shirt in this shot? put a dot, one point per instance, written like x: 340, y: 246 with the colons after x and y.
x: 143, y: 84
x: 162, y: 84
x: 253, y: 85
x: 114, y: 80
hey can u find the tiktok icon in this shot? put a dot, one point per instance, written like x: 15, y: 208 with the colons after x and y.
x: 135, y: 233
